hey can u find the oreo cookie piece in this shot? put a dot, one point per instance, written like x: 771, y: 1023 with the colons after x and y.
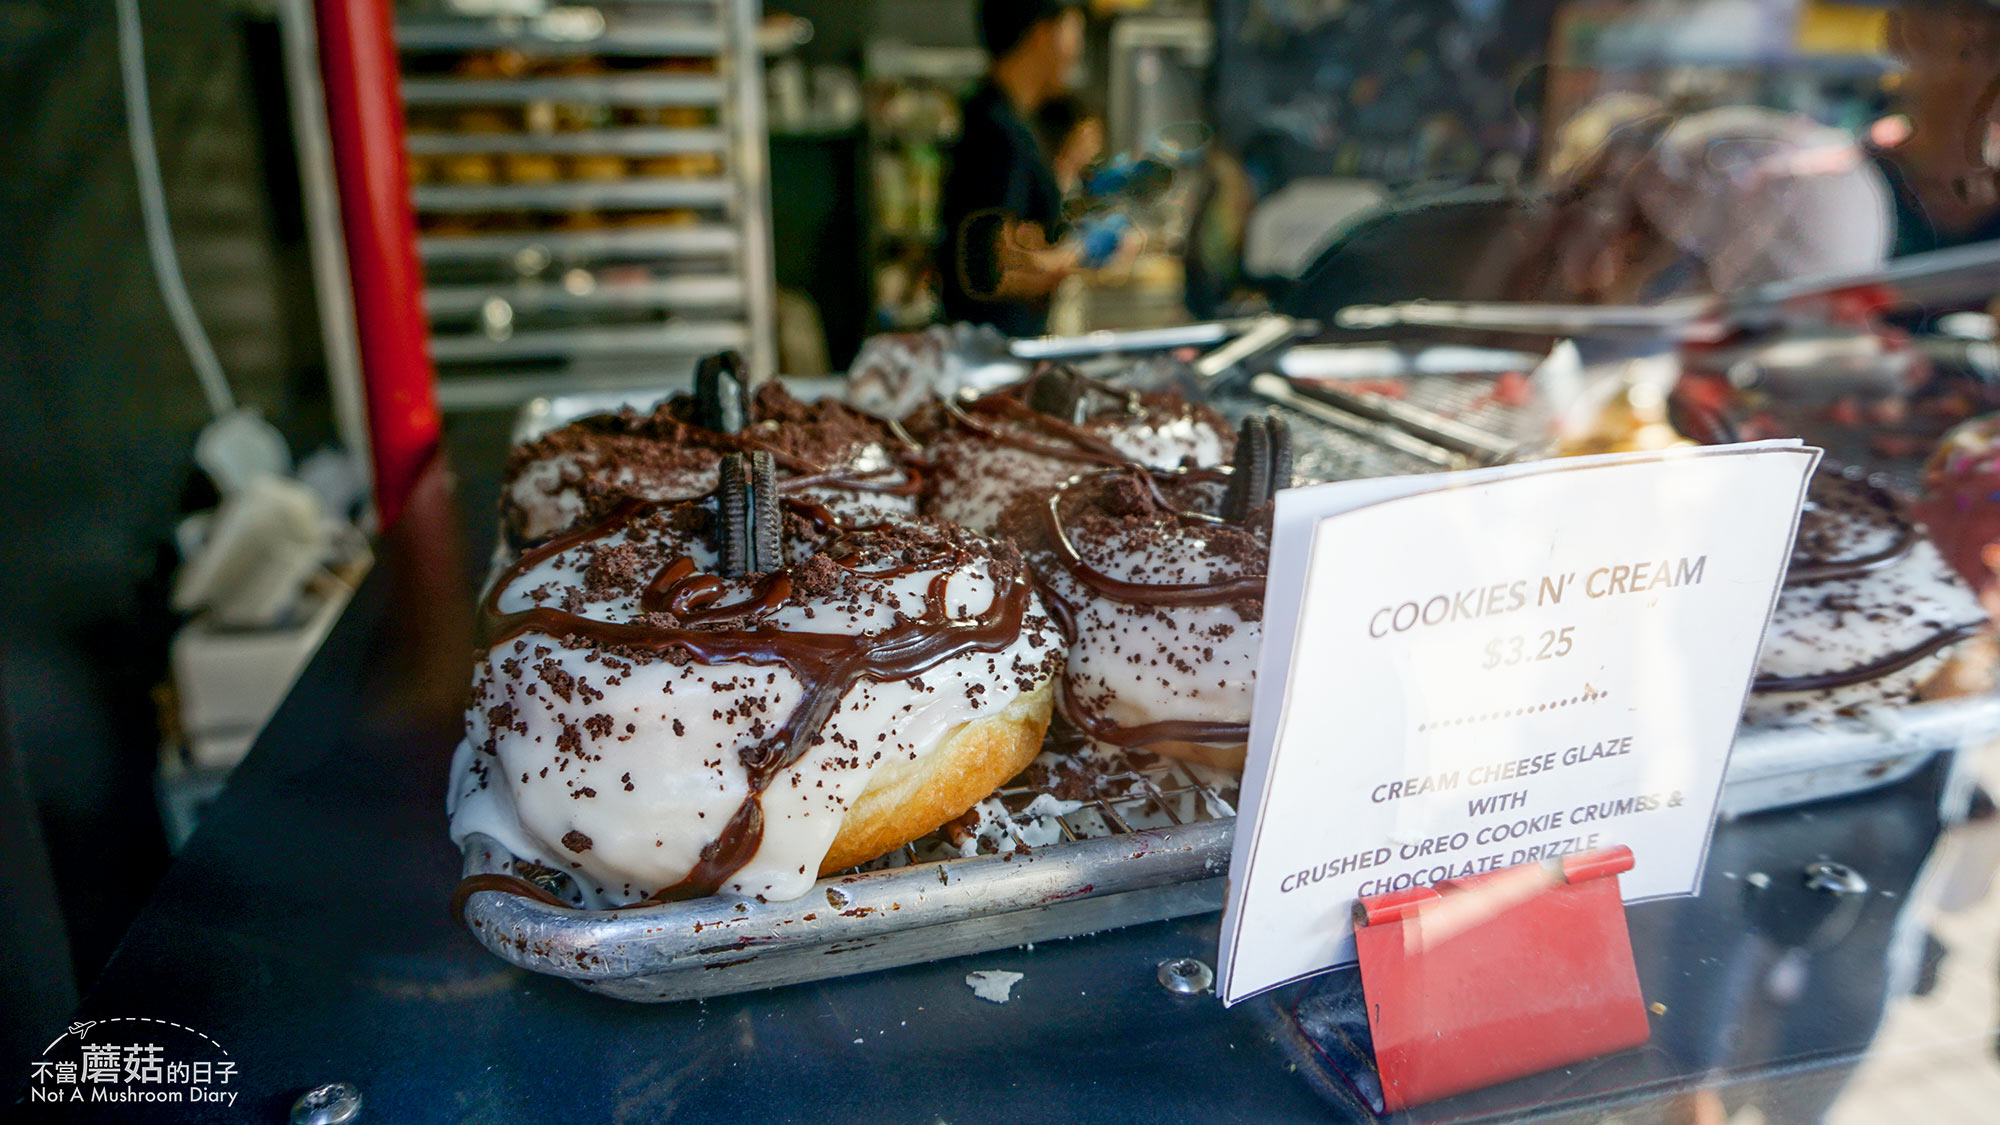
x: 766, y: 517
x: 722, y: 393
x: 1061, y: 392
x: 732, y: 515
x: 749, y: 523
x: 1250, y: 475
x: 1281, y: 453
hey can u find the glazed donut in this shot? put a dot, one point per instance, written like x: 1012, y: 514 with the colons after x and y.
x: 684, y: 699
x: 1157, y: 580
x: 1027, y: 439
x: 1961, y: 506
x: 837, y: 455
x: 1870, y: 613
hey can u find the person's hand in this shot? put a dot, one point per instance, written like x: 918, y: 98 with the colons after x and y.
x: 1028, y: 266
x: 1131, y: 242
x: 1116, y: 266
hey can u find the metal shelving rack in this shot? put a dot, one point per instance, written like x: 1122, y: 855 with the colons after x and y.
x: 906, y: 240
x: 555, y: 259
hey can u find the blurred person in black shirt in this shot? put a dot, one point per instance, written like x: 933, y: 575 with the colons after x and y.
x: 1001, y: 204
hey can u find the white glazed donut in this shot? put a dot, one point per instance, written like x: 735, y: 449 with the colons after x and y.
x: 1162, y: 603
x: 658, y: 731
x: 568, y: 476
x: 1870, y: 612
x: 997, y: 449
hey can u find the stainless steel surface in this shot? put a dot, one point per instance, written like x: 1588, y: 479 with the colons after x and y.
x: 604, y: 946
x: 1959, y: 275
x: 1263, y: 334
x: 691, y: 338
x: 633, y: 141
x: 1279, y: 391
x: 543, y: 37
x: 714, y: 292
x: 613, y: 90
x: 1966, y: 274
x: 299, y: 39
x: 503, y: 298
x: 1129, y: 340
x: 1563, y: 320
x: 473, y: 392
x: 1385, y: 361
x: 861, y: 922
x: 1818, y: 368
x: 692, y: 240
x: 1157, y: 69
x: 1425, y: 425
x: 1772, y: 767
x: 634, y: 194
x: 1152, y: 844
x: 743, y: 113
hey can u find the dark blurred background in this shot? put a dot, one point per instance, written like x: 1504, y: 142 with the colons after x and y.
x: 97, y: 423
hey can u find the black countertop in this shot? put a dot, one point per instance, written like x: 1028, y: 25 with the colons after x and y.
x: 305, y: 929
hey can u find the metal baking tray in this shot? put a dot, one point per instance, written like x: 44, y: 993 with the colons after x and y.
x: 1150, y: 841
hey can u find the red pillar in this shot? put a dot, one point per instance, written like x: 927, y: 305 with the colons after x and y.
x: 364, y: 110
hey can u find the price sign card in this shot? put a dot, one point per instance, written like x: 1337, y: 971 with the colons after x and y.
x: 1469, y: 671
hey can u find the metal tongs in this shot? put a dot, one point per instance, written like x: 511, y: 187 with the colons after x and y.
x: 1232, y: 340
x: 1796, y: 336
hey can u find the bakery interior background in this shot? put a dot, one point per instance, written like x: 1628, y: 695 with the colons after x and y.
x: 1312, y: 111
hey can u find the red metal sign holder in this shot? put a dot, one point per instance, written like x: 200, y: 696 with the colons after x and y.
x: 1479, y: 980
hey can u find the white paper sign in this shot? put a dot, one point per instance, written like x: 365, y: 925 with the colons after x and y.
x: 1467, y: 671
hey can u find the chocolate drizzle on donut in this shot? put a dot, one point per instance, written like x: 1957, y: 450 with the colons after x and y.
x: 807, y: 441
x: 1838, y: 504
x: 827, y: 665
x: 907, y: 482
x: 1144, y: 593
x: 1243, y: 588
x: 1055, y: 405
x: 1152, y: 734
x: 678, y: 590
x: 1082, y: 444
x: 1874, y: 669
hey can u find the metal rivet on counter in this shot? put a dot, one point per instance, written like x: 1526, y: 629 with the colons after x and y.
x: 1835, y: 878
x: 335, y: 1103
x: 1186, y: 976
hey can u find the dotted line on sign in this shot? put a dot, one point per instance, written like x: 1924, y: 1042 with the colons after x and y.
x: 1588, y: 696
x: 88, y: 1024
